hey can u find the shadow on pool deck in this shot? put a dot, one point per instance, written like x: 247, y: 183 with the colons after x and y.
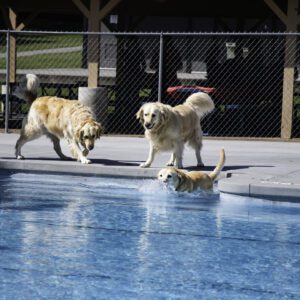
x: 225, y: 169
x: 105, y: 162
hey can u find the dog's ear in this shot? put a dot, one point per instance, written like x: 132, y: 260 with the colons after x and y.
x: 179, y: 175
x: 181, y: 178
x: 79, y: 133
x: 165, y: 113
x: 139, y: 115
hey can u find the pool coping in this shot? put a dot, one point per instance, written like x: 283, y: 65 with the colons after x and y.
x: 251, y: 186
x: 76, y: 168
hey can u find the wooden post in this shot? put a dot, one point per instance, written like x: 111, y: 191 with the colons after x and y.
x: 291, y: 20
x: 289, y: 71
x: 94, y: 16
x: 12, y: 47
x: 94, y: 41
x: 10, y: 19
x: 93, y: 48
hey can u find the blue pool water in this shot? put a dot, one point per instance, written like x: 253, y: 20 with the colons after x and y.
x: 70, y: 237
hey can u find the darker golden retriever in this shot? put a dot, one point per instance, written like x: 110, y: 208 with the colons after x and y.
x: 57, y: 118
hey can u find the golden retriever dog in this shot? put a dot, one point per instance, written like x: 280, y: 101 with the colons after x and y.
x: 169, y: 128
x: 57, y: 118
x: 189, y: 181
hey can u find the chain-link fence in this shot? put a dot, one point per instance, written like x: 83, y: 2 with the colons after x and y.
x: 253, y: 78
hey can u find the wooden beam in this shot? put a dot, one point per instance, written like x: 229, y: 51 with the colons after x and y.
x: 82, y: 8
x: 93, y: 74
x: 108, y: 8
x: 287, y: 103
x: 289, y: 71
x: 277, y: 11
x: 292, y: 15
x: 28, y: 20
x: 93, y: 22
x: 12, y: 16
x: 11, y: 19
x: 93, y: 49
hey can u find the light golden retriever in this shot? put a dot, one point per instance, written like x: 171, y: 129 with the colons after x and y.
x: 57, y: 118
x: 189, y: 181
x: 169, y: 128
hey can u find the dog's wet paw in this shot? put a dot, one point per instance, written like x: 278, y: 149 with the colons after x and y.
x: 170, y: 164
x: 20, y: 157
x: 200, y: 165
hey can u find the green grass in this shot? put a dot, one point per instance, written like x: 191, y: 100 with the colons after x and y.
x: 27, y: 42
x: 42, y: 42
x: 45, y: 61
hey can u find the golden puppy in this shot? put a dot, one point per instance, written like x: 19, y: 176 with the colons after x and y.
x: 57, y: 118
x: 169, y: 128
x: 190, y: 181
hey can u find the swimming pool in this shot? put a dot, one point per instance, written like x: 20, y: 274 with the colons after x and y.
x: 72, y: 237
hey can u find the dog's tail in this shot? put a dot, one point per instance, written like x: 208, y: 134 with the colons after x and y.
x: 215, y: 173
x: 201, y: 103
x: 28, y: 88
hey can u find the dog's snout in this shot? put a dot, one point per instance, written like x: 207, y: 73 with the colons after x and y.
x: 163, y: 180
x: 149, y: 125
x: 91, y: 147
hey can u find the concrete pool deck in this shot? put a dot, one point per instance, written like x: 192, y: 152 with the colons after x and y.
x: 253, y: 168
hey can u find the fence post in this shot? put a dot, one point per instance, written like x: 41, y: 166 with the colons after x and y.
x: 160, y: 66
x: 289, y: 69
x: 288, y: 87
x: 94, y: 44
x: 7, y: 81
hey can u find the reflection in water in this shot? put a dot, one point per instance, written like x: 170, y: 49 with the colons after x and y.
x: 154, y: 201
x: 161, y: 205
x: 53, y: 227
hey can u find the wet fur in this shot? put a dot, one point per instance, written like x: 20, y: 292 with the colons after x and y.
x: 189, y: 181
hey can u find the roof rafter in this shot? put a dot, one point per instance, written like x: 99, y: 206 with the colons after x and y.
x: 277, y: 11
x: 82, y: 8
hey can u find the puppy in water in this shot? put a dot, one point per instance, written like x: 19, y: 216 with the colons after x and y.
x: 189, y: 181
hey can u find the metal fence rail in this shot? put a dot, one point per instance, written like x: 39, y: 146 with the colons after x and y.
x: 253, y: 78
